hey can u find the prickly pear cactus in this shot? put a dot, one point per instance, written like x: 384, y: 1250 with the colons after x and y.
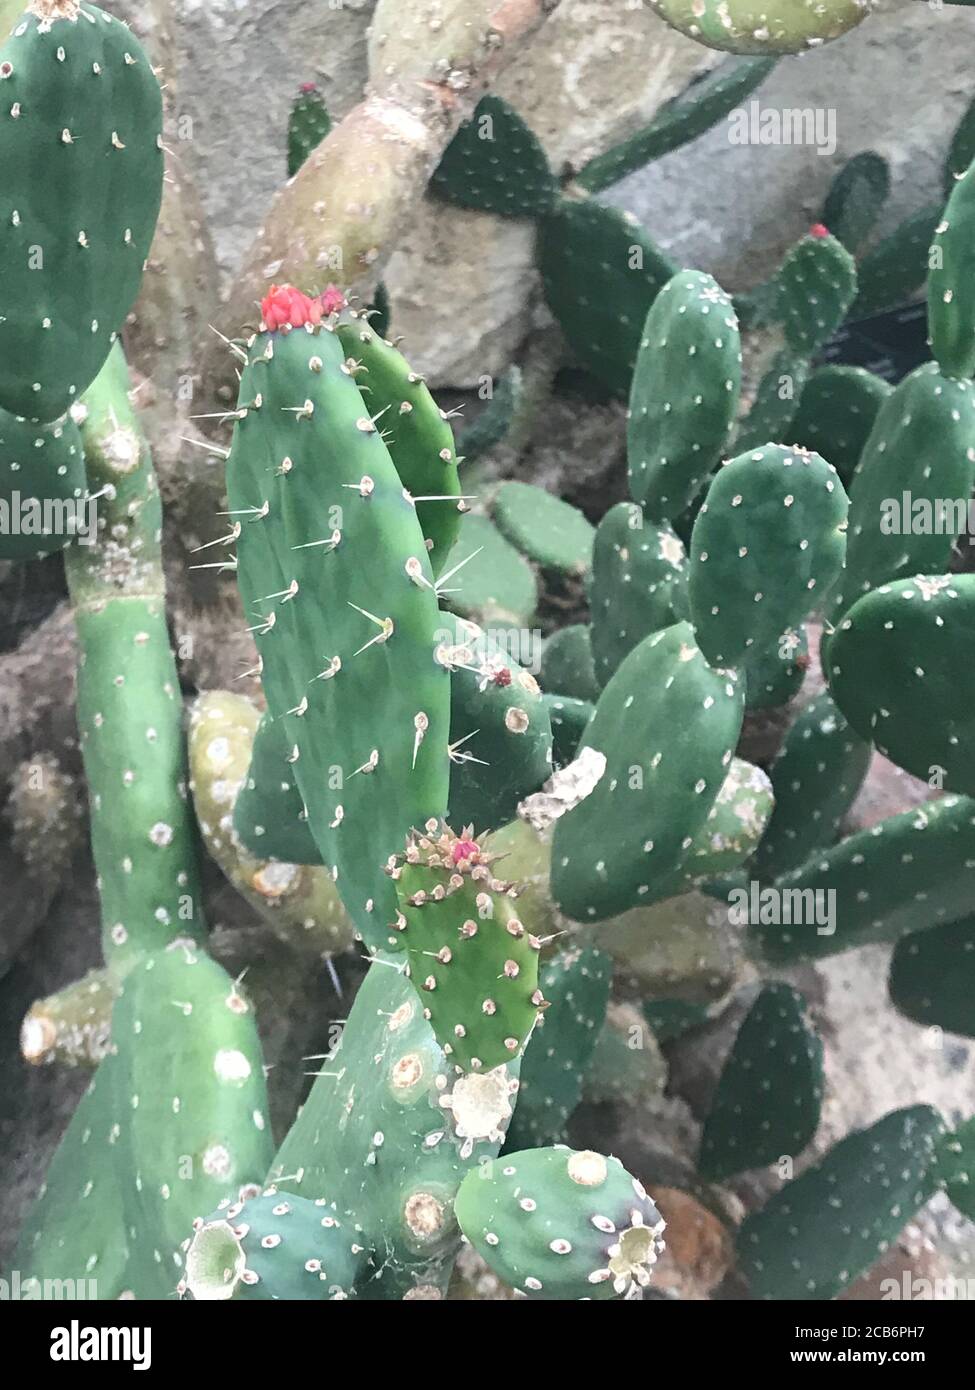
x: 773, y: 26
x: 83, y: 167
x: 472, y: 960
x: 42, y: 487
x: 559, y: 1223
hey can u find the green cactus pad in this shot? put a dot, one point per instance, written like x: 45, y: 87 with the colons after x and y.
x: 576, y: 984
x: 776, y: 401
x: 569, y: 720
x: 474, y: 964
x: 768, y: 542
x: 744, y: 26
x: 336, y: 583
x: 660, y: 744
x: 951, y: 296
x: 81, y: 151
x: 836, y: 413
x: 387, y: 1133
x: 75, y: 1228
x: 272, y: 1247
x: 707, y: 100
x: 269, y: 813
x: 817, y: 283
x: 856, y: 199
x: 961, y: 150
x: 495, y: 163
x: 956, y: 1164
x: 893, y: 669
x: 923, y: 445
x: 601, y: 273
x: 42, y: 481
x: 486, y: 579
x: 190, y: 1079
x: 567, y: 663
x: 774, y: 676
x: 308, y: 124
x: 816, y: 777
x: 894, y: 270
x: 562, y: 1224
x: 932, y: 977
x: 639, y: 579
x: 684, y: 394
x: 414, y: 428
x: 771, y: 1088
x: 669, y: 1019
x: 493, y: 423
x: 500, y: 731
x: 826, y: 1227
x: 907, y: 873
x: 547, y: 530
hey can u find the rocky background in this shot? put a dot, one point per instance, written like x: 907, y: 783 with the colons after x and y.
x: 464, y: 295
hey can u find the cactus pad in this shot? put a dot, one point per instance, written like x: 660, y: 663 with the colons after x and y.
x: 951, y: 296
x: 81, y: 150
x: 562, y: 1224
x: 547, y: 530
x: 771, y: 1088
x: 42, y: 480
x: 932, y: 977
x: 744, y: 26
x: 495, y: 163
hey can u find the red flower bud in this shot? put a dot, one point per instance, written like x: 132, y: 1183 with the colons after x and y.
x: 464, y: 849
x: 286, y: 307
x: 333, y: 300
x: 818, y: 230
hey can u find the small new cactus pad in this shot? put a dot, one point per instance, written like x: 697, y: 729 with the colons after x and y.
x: 130, y: 709
x: 601, y: 272
x: 684, y: 394
x: 75, y: 1228
x: 707, y: 100
x: 769, y: 1095
x: 189, y: 1078
x: 815, y: 777
x: 932, y: 977
x: 919, y: 455
x: 491, y: 426
x: 639, y: 578
x: 473, y: 962
x: 826, y: 1227
x: 894, y: 270
x: 273, y: 1246
x: 774, y: 676
x: 500, y: 731
x: 560, y: 1223
x: 576, y: 983
x: 817, y: 283
x: 909, y: 872
x: 414, y: 428
x: 336, y: 583
x: 744, y: 26
x: 664, y: 733
x: 836, y: 413
x: 567, y: 663
x: 300, y: 901
x: 486, y: 578
x: 856, y: 199
x: 768, y: 542
x: 893, y: 669
x: 268, y: 811
x: 495, y: 163
x: 387, y: 1133
x: 81, y: 151
x: 951, y: 282
x: 569, y: 718
x: 42, y: 487
x: 308, y: 124
x: 547, y: 530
